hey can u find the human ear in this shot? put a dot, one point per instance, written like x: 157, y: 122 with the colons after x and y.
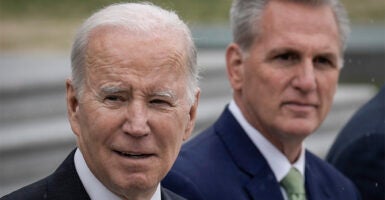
x: 72, y: 106
x: 192, y: 115
x: 234, y: 65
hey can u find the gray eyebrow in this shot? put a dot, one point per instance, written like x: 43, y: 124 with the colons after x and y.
x: 111, y: 89
x: 166, y: 93
x: 161, y: 93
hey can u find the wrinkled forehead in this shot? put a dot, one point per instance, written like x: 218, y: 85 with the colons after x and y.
x: 109, y: 44
x: 311, y: 13
x: 174, y: 37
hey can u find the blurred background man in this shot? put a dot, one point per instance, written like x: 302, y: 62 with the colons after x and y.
x: 359, y: 150
x: 283, y: 67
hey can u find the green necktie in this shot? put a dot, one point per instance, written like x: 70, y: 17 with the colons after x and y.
x: 294, y: 185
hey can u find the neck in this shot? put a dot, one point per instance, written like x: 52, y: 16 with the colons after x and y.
x: 292, y: 152
x: 291, y: 148
x: 138, y: 195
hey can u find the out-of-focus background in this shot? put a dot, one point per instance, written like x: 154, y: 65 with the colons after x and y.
x: 35, y: 41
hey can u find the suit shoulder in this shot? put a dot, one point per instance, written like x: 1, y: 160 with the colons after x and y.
x: 366, y: 148
x: 328, y: 175
x: 322, y: 167
x: 169, y: 195
x: 366, y: 154
x: 201, y: 139
x: 202, y: 160
x: 36, y: 190
x: 181, y: 184
x: 203, y: 146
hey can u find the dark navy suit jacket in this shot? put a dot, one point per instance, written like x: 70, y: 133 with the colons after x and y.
x: 64, y: 184
x: 223, y: 163
x: 359, y: 150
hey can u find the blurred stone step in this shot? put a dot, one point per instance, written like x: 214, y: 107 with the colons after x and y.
x: 34, y: 148
x: 35, y: 135
x: 38, y: 131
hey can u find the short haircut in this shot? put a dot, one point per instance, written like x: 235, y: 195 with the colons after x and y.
x: 136, y: 17
x: 245, y: 15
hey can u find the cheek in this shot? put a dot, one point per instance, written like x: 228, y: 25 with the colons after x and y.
x: 263, y: 73
x: 327, y: 89
x: 169, y: 140
x: 266, y: 83
x: 98, y: 123
x: 328, y: 84
x: 169, y: 130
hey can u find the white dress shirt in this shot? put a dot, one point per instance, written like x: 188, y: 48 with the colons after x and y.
x: 277, y: 161
x: 95, y: 189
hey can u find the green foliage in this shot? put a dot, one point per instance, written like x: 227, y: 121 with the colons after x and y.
x: 189, y: 10
x: 366, y: 11
x: 50, y: 24
x: 203, y: 11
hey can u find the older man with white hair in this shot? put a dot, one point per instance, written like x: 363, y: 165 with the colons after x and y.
x: 131, y: 102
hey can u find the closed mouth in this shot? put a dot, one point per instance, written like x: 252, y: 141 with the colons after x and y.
x: 300, y: 104
x: 133, y: 155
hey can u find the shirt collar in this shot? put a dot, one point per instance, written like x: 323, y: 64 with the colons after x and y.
x: 95, y: 189
x: 277, y: 161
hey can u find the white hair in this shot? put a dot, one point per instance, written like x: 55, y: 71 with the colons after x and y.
x: 135, y: 17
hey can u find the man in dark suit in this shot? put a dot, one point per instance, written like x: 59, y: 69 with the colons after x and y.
x: 283, y: 67
x: 65, y: 184
x: 129, y: 104
x: 359, y: 150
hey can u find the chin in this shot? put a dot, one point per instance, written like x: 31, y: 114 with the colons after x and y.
x: 300, y: 128
x: 136, y: 186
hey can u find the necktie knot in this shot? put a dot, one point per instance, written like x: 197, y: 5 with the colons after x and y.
x: 294, y: 185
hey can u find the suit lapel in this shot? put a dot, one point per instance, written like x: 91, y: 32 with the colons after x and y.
x: 316, y: 189
x: 65, y: 183
x: 264, y: 186
x: 169, y: 195
x: 246, y: 156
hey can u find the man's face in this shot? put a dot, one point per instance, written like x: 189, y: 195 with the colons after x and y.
x: 134, y: 113
x: 286, y: 83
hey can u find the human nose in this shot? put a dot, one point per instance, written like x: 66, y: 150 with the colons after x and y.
x: 136, y: 123
x: 305, y: 78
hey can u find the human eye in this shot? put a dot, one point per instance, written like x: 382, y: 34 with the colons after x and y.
x: 112, y: 98
x: 286, y: 58
x: 160, y: 102
x: 323, y: 61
